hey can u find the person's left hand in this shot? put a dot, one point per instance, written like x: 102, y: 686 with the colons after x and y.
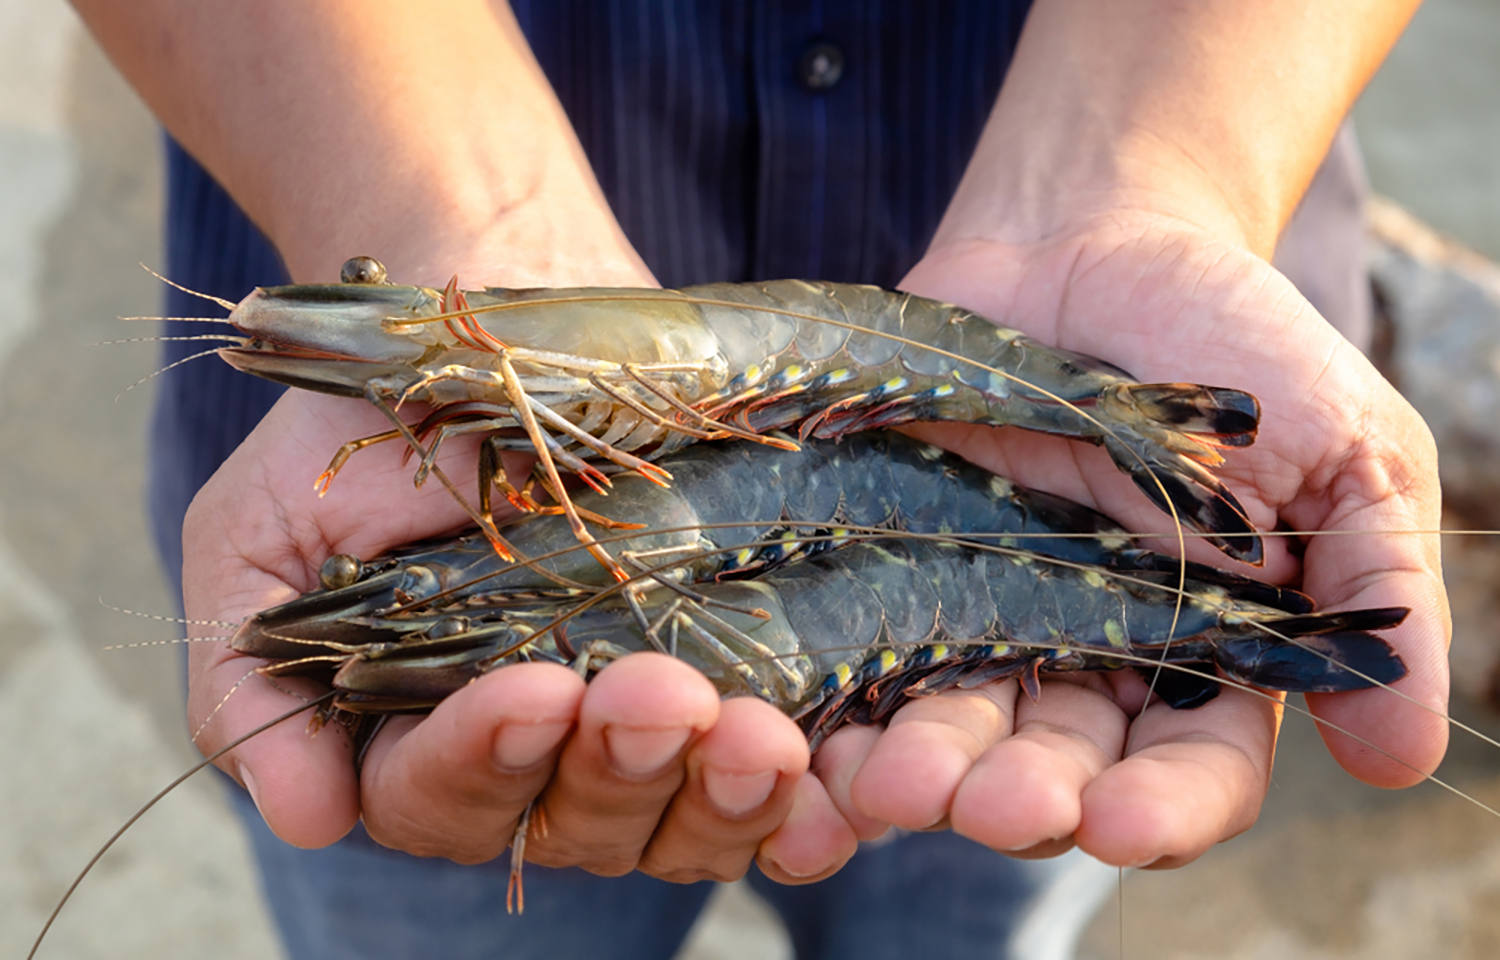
x: 644, y: 768
x: 1338, y: 450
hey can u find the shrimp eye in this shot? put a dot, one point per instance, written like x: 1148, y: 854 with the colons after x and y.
x: 418, y: 583
x: 362, y: 270
x: 340, y: 570
x: 448, y: 627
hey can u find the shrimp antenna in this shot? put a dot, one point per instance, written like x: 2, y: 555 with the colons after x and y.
x: 159, y: 618
x: 220, y: 337
x: 194, y: 293
x: 179, y: 319
x: 157, y: 373
x: 153, y: 801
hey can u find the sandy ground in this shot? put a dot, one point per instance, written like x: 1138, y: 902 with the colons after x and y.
x: 1333, y: 870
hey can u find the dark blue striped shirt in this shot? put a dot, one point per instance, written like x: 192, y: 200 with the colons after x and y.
x: 735, y: 140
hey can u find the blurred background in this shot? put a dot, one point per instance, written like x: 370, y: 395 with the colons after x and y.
x: 90, y: 701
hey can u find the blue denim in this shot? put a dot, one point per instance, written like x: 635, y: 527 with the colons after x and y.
x: 923, y: 894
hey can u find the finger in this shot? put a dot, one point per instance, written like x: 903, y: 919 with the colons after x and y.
x: 914, y: 769
x: 812, y: 843
x: 741, y: 780
x: 1396, y: 736
x: 302, y: 782
x: 454, y: 784
x: 1024, y: 795
x: 1192, y: 778
x: 624, y: 764
x: 1387, y: 489
x: 836, y: 764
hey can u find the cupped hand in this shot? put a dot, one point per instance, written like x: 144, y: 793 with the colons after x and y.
x: 1338, y: 452
x: 642, y: 768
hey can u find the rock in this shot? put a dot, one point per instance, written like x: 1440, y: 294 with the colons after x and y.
x: 1443, y: 303
x: 1439, y: 304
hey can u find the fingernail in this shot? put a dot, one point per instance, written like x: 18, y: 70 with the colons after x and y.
x: 521, y: 746
x: 794, y: 873
x: 639, y: 752
x: 737, y: 794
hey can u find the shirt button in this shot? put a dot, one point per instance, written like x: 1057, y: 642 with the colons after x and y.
x: 821, y: 66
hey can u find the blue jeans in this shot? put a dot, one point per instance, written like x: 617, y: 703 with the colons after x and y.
x: 926, y: 894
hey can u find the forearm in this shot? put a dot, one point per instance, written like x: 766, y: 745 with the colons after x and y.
x: 1217, y: 113
x: 422, y: 134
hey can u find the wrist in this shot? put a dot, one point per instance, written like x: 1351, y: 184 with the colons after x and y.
x: 462, y: 203
x: 545, y: 240
x: 1065, y: 176
x: 424, y: 135
x: 1214, y: 115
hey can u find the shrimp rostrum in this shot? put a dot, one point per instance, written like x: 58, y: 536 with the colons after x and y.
x: 843, y: 634
x: 585, y: 376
